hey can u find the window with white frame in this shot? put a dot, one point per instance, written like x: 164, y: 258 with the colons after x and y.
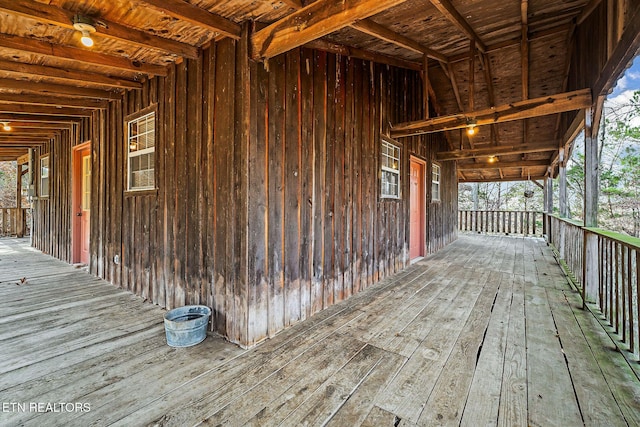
x: 141, y: 146
x: 390, y: 174
x: 435, y: 182
x: 44, y: 176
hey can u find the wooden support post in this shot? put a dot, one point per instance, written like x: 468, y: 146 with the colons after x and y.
x: 563, y: 185
x: 590, y: 172
x: 19, y: 214
x: 548, y: 203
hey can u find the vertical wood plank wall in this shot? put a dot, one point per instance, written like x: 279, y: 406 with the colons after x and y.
x: 267, y: 206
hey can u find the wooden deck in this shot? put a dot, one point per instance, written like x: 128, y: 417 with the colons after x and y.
x: 485, y: 332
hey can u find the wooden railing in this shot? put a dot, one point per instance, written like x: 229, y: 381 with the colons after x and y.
x: 13, y: 222
x: 606, y: 269
x: 567, y: 238
x: 527, y: 223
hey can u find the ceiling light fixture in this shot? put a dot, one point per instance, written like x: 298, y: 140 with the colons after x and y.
x: 86, y: 27
x: 5, y: 126
x: 471, y: 127
x: 492, y: 159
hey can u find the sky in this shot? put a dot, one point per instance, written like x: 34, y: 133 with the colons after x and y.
x: 629, y: 82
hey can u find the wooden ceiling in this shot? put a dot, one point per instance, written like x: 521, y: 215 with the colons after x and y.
x: 480, y: 56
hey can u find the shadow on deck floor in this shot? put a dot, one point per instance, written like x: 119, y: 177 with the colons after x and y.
x: 485, y: 332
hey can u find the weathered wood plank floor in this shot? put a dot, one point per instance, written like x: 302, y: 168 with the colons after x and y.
x: 485, y: 332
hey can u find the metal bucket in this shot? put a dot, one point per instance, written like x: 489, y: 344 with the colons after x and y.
x: 186, y: 326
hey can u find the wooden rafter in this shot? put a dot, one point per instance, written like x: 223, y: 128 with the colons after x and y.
x: 524, y: 48
x: 312, y: 22
x: 46, y: 110
x: 516, y: 111
x: 502, y: 165
x: 23, y: 139
x: 111, y: 30
x: 17, y: 125
x: 66, y: 75
x: 77, y: 55
x: 41, y: 99
x: 56, y: 89
x: 383, y: 33
x: 187, y: 12
x: 24, y: 118
x: 503, y: 178
x: 496, y: 151
x: 451, y: 13
x: 363, y: 54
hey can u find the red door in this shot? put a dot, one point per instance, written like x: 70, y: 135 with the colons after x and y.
x: 81, y: 203
x: 417, y: 209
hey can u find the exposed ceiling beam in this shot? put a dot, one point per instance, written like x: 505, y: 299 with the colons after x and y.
x: 77, y: 55
x: 502, y: 178
x: 187, y: 12
x: 530, y: 108
x: 524, y: 47
x: 23, y: 139
x: 55, y: 89
x: 111, y: 30
x: 501, y: 150
x: 502, y: 165
x: 12, y: 117
x: 312, y: 22
x: 35, y: 99
x: 363, y: 54
x: 451, y: 13
x: 623, y: 54
x: 383, y: 33
x: 39, y: 125
x: 66, y: 75
x: 46, y: 110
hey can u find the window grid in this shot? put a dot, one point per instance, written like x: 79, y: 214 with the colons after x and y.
x: 435, y: 182
x: 44, y: 176
x: 141, y: 152
x: 390, y: 176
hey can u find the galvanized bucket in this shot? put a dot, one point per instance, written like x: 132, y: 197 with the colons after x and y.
x: 186, y: 326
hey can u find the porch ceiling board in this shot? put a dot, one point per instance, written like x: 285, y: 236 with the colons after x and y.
x: 63, y: 18
x: 502, y: 165
x: 187, y: 12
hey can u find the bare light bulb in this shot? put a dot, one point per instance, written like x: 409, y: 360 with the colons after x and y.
x: 471, y: 130
x: 86, y: 39
x: 6, y: 127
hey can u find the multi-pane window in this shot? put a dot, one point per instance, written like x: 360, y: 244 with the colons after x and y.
x: 390, y: 174
x: 44, y: 176
x: 141, y: 146
x: 435, y: 182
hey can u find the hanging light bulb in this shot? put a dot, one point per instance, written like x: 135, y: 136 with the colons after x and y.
x: 471, y: 127
x: 86, y: 27
x: 86, y: 39
x: 5, y: 126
